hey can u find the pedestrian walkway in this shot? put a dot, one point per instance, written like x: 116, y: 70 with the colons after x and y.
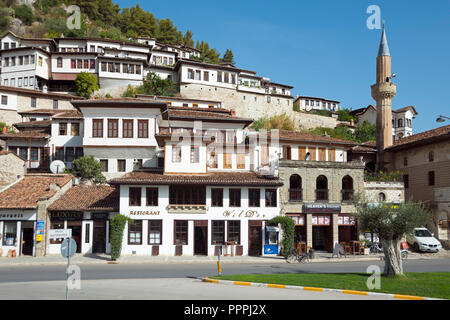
x: 134, y: 259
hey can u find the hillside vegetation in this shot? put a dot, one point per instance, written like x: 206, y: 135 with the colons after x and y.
x: 99, y: 19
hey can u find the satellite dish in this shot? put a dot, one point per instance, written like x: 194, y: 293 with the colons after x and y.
x: 57, y: 166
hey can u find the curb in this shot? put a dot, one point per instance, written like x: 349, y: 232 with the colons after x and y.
x: 282, y: 286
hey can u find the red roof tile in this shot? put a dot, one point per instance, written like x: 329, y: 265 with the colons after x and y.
x: 422, y: 138
x: 88, y: 198
x: 26, y: 192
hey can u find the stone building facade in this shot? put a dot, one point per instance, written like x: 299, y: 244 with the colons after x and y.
x: 12, y: 167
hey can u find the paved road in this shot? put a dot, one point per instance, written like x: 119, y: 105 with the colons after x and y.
x: 177, y: 282
x: 152, y: 271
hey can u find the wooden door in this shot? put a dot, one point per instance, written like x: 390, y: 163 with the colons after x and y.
x: 45, y: 158
x: 255, y: 240
x: 99, y: 244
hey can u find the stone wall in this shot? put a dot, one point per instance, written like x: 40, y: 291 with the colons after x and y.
x: 394, y: 191
x: 11, y: 168
x: 305, y: 120
x: 9, y: 117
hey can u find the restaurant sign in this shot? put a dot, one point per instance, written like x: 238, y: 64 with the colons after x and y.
x: 322, y: 208
x: 66, y: 215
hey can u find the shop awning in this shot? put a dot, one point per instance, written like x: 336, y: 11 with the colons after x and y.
x: 272, y: 229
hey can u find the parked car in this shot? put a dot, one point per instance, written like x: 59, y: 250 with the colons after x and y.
x: 423, y: 240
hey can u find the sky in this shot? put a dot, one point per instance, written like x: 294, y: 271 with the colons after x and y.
x: 324, y: 48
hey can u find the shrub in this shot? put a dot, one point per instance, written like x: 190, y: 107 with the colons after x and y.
x: 86, y: 84
x: 24, y: 13
x: 288, y: 228
x: 116, y: 236
x: 87, y: 168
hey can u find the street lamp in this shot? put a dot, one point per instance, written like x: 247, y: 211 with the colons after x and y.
x: 442, y: 119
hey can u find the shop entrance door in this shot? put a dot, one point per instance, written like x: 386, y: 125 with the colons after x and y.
x: 27, y: 241
x: 76, y: 235
x: 319, y: 238
x: 99, y: 245
x: 255, y: 240
x: 201, y: 240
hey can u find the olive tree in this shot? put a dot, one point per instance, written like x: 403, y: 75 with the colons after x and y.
x: 391, y: 222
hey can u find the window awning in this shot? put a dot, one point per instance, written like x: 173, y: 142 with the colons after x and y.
x: 272, y: 229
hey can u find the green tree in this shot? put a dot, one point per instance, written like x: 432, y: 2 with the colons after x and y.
x: 188, y: 39
x: 365, y: 132
x: 344, y: 115
x: 391, y: 222
x: 280, y: 122
x: 288, y: 232
x: 117, y: 226
x: 228, y: 57
x: 154, y: 85
x: 167, y: 32
x: 24, y: 13
x: 86, y: 84
x: 88, y: 169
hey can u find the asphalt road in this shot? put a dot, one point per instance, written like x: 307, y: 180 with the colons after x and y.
x: 12, y: 274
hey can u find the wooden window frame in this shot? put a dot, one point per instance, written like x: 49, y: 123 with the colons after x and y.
x: 227, y: 161
x: 159, y: 224
x: 151, y: 194
x: 253, y: 201
x: 217, y: 236
x: 231, y: 232
x: 126, y: 129
x: 143, y: 129
x: 184, y: 232
x: 119, y: 166
x: 97, y: 128
x: 195, y: 154
x: 233, y: 199
x: 216, y: 197
x: 176, y: 154
x: 240, y: 161
x: 269, y: 202
x: 113, y: 132
x: 134, y: 196
x: 132, y: 224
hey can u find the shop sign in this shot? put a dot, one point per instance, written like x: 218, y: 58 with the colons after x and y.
x: 40, y: 227
x: 11, y: 216
x: 299, y: 220
x: 39, y: 237
x: 99, y: 216
x: 144, y: 213
x: 242, y: 214
x: 320, y: 220
x: 346, y: 221
x: 66, y: 215
x: 59, y: 233
x: 322, y: 208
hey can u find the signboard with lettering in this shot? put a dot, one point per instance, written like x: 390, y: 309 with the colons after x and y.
x: 59, y: 233
x: 66, y: 215
x: 299, y: 220
x: 242, y: 214
x: 346, y: 221
x: 320, y: 220
x: 144, y: 213
x: 322, y: 208
x: 99, y: 216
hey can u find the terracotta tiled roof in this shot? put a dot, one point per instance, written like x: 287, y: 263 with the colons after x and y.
x: 68, y: 114
x: 216, y: 178
x: 31, y: 134
x: 88, y: 198
x: 309, y: 137
x: 26, y: 192
x: 39, y: 112
x: 40, y: 93
x: 34, y: 124
x: 422, y: 138
x: 214, y: 114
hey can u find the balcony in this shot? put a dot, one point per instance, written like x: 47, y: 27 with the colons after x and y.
x: 347, y: 195
x: 187, y: 208
x: 295, y: 195
x: 322, y: 195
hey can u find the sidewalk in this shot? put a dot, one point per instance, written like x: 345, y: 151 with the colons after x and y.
x: 129, y: 259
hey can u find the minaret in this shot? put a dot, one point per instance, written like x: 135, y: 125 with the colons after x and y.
x: 383, y: 92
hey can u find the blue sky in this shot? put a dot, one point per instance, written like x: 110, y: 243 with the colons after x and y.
x: 324, y: 48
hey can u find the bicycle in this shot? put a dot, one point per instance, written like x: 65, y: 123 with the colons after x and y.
x: 299, y: 257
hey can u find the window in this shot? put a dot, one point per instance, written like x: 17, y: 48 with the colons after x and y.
x: 295, y: 188
x: 205, y: 75
x: 121, y: 165
x: 13, y: 61
x: 240, y: 161
x: 216, y: 197
x: 9, y: 233
x: 400, y: 123
x: 6, y: 63
x: 271, y: 197
x: 135, y: 197
x: 431, y: 156
x: 212, y: 160
x: 195, y: 154
x: 70, y: 154
x: 431, y: 178
x: 4, y: 100
x: 55, y: 104
x: 176, y: 154
x: 233, y: 78
x: 331, y: 155
x: 92, y: 48
x: 97, y: 128
x: 19, y: 82
x: 23, y: 152
x: 62, y: 129
x: 59, y: 62
x: 138, y: 69
x: 235, y: 197
x: 135, y: 232
x: 20, y: 60
x: 254, y: 196
x: 234, y: 231
x: 127, y: 131
x: 198, y: 75
x: 191, y: 74
x: 218, y: 232
x: 32, y: 81
x: 219, y: 76
x: 142, y: 128
x: 33, y: 102
x: 78, y: 152
x: 181, y: 232
x: 187, y: 195
x: 92, y: 64
x: 79, y: 64
x: 86, y: 64
x: 104, y: 163
x: 34, y: 154
x: 381, y: 197
x: 59, y: 153
x: 226, y: 77
x: 75, y: 129
x: 322, y: 154
x: 152, y: 197
x: 287, y: 152
x: 195, y: 105
x: 312, y: 153
x: 155, y: 232
x: 103, y: 66
x: 25, y: 81
x: 73, y: 64
x: 227, y: 160
x: 113, y: 128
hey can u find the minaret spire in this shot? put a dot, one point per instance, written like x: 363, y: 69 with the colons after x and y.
x: 383, y: 91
